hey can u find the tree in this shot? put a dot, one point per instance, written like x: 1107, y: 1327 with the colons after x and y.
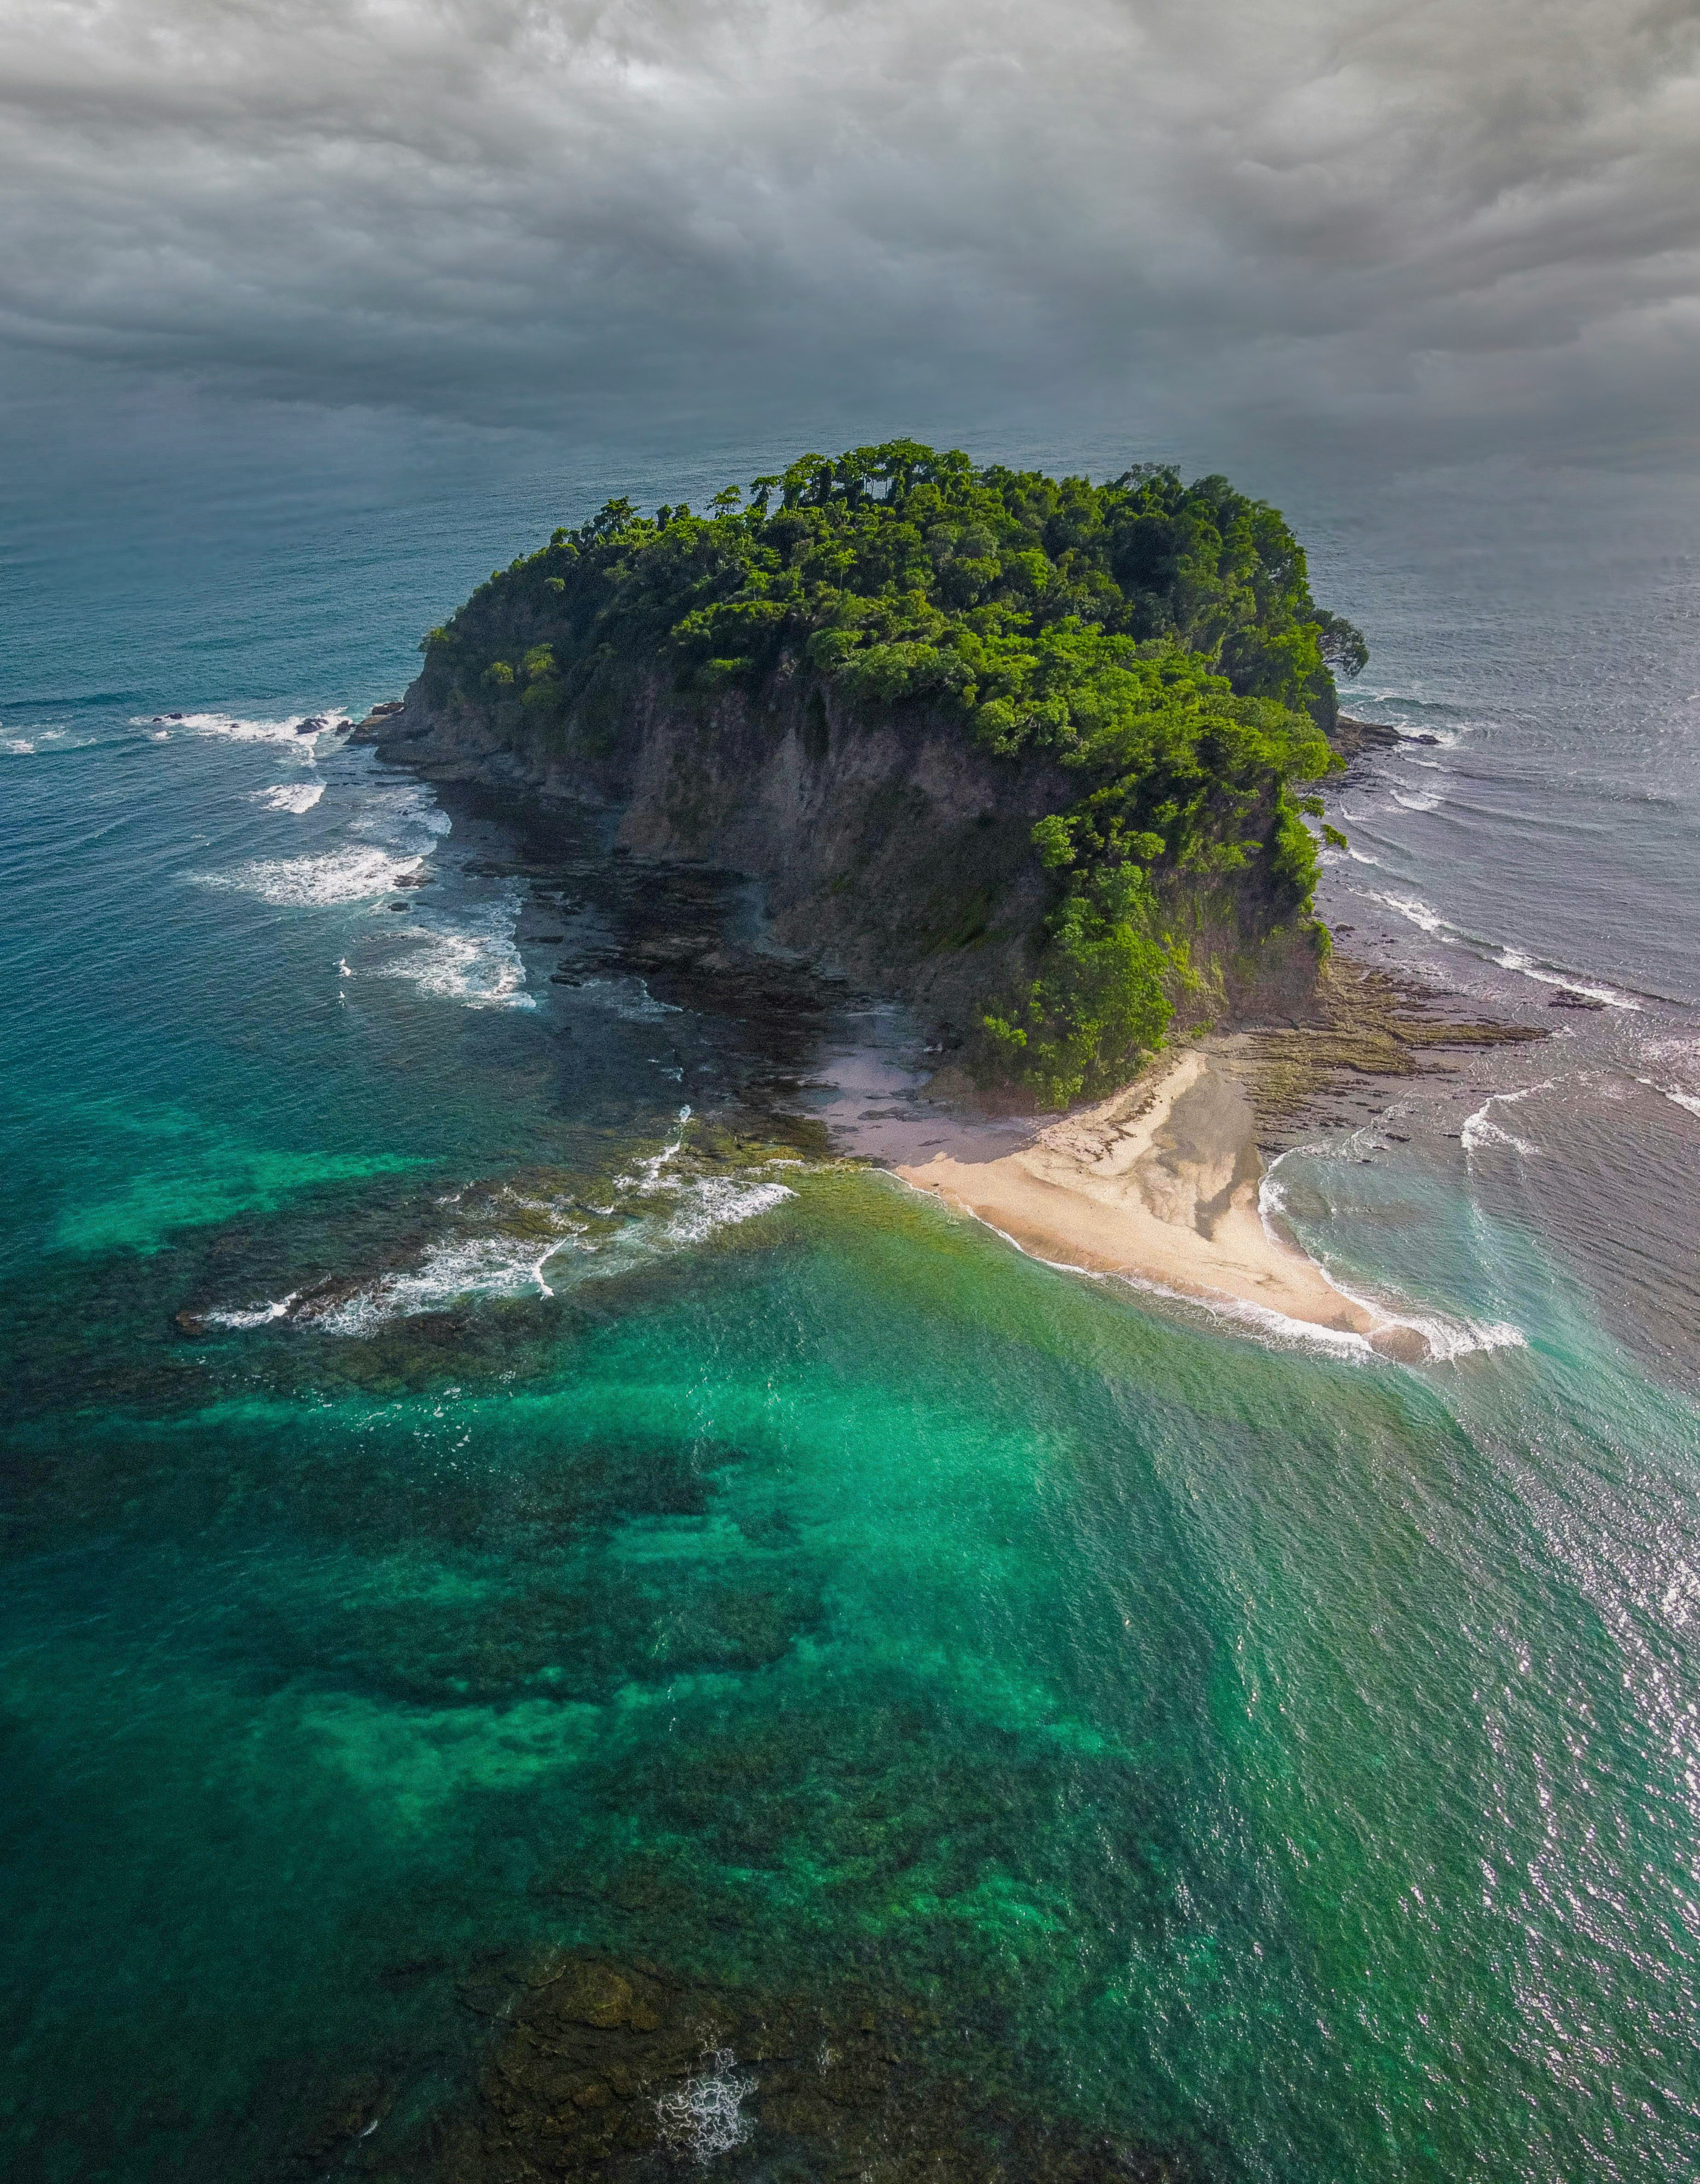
x: 1341, y: 644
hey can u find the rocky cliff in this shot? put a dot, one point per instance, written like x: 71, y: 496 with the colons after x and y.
x: 889, y: 844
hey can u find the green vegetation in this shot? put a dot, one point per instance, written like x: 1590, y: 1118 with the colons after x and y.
x: 1154, y: 643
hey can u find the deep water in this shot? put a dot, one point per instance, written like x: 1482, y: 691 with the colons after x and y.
x: 481, y: 1478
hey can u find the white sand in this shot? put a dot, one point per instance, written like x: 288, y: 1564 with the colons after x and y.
x: 1159, y: 1183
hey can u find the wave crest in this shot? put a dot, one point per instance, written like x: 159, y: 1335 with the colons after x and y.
x: 351, y: 875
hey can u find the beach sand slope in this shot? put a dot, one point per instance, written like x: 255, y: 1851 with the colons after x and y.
x: 1159, y: 1183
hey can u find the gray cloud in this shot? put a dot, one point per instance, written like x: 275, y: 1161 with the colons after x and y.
x: 1460, y: 226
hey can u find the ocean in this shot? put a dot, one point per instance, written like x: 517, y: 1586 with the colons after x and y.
x: 483, y: 1481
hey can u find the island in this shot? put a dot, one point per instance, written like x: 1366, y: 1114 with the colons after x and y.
x: 1035, y: 755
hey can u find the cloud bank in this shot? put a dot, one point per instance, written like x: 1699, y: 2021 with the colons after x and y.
x: 1445, y: 228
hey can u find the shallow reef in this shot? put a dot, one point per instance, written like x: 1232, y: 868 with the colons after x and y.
x: 616, y: 2070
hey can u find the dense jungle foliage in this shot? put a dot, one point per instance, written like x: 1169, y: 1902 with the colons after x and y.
x: 1156, y: 639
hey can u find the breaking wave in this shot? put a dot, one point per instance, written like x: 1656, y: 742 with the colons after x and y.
x: 289, y: 795
x: 350, y: 875
x: 397, y: 813
x: 257, y: 1316
x: 1480, y: 1129
x: 480, y: 1266
x: 1416, y: 912
x: 477, y: 963
x: 629, y: 997
x: 1548, y: 974
x: 719, y: 1202
x: 1674, y: 1093
x: 513, y: 1240
x: 233, y: 729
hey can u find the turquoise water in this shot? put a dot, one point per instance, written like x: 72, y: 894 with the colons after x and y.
x: 459, y: 1504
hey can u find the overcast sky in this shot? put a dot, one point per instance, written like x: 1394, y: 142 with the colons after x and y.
x: 1413, y: 230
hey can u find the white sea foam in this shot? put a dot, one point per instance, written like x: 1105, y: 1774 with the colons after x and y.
x: 257, y: 1315
x: 1450, y: 1339
x: 1674, y: 1093
x: 1422, y: 800
x: 289, y: 795
x: 476, y: 962
x: 350, y: 875
x: 398, y: 813
x: 1416, y: 912
x: 629, y: 998
x: 19, y: 746
x: 719, y: 1202
x: 1544, y: 974
x: 233, y: 729
x: 1480, y: 1129
x: 703, y: 2117
x: 1446, y: 1339
x: 646, y: 1177
x: 479, y: 1266
x: 1413, y: 908
x: 501, y: 1263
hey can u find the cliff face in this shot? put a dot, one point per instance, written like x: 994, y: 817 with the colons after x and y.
x: 887, y: 842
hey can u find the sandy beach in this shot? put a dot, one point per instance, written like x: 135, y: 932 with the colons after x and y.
x: 1159, y: 1183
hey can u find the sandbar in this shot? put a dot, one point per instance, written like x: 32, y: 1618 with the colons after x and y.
x: 1159, y: 1183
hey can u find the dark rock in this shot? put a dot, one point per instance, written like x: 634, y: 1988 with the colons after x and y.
x: 315, y: 725
x: 1361, y: 1024
x: 1567, y: 999
x: 174, y: 717
x: 1353, y: 736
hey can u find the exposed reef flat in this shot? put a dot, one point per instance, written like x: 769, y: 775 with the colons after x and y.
x: 1358, y: 1033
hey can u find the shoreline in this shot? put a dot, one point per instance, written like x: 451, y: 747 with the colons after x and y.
x: 1159, y: 1184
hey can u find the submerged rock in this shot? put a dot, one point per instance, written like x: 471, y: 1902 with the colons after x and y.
x: 619, y: 2069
